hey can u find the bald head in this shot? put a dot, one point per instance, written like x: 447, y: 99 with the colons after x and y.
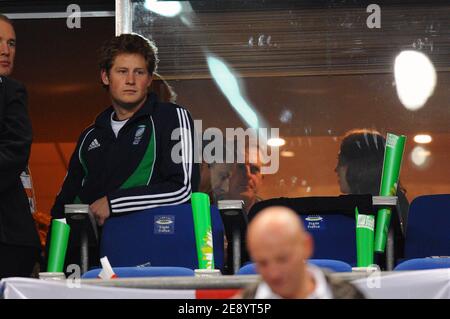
x: 275, y: 223
x: 280, y: 248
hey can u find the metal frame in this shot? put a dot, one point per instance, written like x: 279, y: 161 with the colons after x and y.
x: 384, y: 200
x: 213, y: 282
x: 235, y: 222
x: 59, y: 15
x: 124, y: 17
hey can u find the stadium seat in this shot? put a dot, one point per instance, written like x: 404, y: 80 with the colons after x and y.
x: 247, y: 269
x: 334, y: 237
x: 427, y: 232
x: 162, y: 236
x: 332, y: 265
x: 330, y: 221
x: 128, y: 272
x: 424, y: 263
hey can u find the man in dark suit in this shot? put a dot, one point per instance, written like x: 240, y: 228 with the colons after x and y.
x: 280, y: 248
x: 19, y: 241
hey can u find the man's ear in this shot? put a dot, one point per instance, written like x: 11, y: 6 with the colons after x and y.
x: 105, y: 77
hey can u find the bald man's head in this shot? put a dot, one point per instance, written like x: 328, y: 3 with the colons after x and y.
x: 280, y: 248
x: 277, y: 221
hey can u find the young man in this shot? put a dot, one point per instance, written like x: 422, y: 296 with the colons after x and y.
x: 19, y: 241
x: 139, y: 152
x: 280, y: 248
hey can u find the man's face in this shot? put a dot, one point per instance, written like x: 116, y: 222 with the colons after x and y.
x: 128, y: 80
x: 220, y: 178
x: 7, y: 48
x: 281, y: 262
x: 246, y: 180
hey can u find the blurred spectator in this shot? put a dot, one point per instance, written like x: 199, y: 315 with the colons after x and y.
x: 245, y: 180
x: 239, y: 180
x: 359, y: 170
x: 280, y: 248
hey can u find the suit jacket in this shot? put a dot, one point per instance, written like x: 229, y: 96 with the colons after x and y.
x: 17, y: 226
x: 340, y: 289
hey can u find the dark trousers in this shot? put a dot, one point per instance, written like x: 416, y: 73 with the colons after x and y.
x: 17, y: 261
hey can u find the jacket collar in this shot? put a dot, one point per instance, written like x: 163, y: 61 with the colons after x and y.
x: 103, y: 120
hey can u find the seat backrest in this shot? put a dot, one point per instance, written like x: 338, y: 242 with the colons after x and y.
x: 424, y: 263
x: 130, y: 272
x: 162, y: 236
x: 247, y: 269
x: 334, y: 237
x: 428, y: 228
x: 332, y: 265
x: 330, y: 220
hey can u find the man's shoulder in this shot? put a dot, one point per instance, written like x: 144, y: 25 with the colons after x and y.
x: 169, y: 115
x: 342, y: 289
x: 11, y: 89
x: 7, y: 81
x: 168, y: 108
x: 86, y: 131
x: 10, y: 84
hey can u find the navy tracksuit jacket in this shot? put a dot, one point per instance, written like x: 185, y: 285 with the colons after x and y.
x: 136, y: 170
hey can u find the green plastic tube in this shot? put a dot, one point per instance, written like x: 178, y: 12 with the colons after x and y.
x: 203, y: 233
x: 365, y: 225
x: 393, y: 154
x: 58, y: 245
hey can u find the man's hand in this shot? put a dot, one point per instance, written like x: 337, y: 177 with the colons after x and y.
x: 100, y: 210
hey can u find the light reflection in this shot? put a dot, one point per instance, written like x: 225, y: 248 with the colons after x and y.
x: 228, y: 84
x: 287, y: 154
x: 276, y: 141
x: 294, y: 181
x: 422, y: 139
x: 165, y: 8
x: 415, y: 79
x: 250, y: 42
x: 285, y: 116
x: 420, y: 155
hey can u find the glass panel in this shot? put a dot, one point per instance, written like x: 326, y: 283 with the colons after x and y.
x: 315, y: 72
